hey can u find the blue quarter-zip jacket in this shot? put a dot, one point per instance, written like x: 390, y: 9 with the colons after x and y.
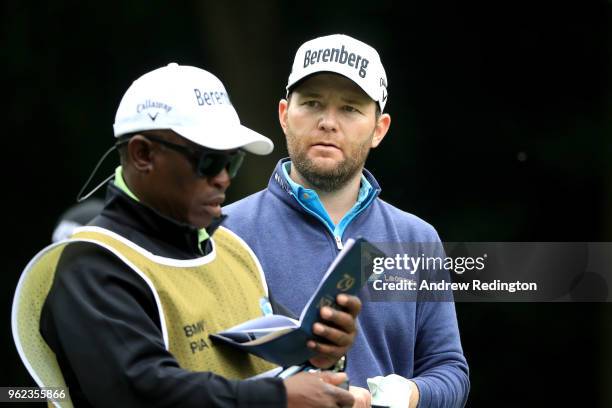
x: 417, y: 340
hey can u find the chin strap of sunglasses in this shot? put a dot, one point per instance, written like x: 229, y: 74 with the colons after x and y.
x: 80, y: 197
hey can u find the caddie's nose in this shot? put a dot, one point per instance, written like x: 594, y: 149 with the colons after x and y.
x: 221, y: 181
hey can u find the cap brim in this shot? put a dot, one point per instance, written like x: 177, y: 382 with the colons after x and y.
x: 227, y: 138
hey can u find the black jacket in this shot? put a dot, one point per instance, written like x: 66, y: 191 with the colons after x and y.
x: 102, y: 322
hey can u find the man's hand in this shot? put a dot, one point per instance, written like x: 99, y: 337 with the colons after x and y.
x: 317, y: 390
x: 363, y: 398
x: 339, y: 330
x: 414, y: 395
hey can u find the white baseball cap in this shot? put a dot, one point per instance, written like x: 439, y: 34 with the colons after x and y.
x: 190, y: 101
x: 346, y: 56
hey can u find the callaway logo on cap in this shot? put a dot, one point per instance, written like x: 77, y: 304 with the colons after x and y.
x: 346, y: 56
x: 190, y: 101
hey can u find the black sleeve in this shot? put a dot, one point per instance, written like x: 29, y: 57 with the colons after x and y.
x: 101, y: 320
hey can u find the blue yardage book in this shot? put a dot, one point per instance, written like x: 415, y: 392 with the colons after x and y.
x: 282, y: 340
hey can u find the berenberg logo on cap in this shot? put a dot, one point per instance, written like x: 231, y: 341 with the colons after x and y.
x: 211, y: 97
x: 339, y: 55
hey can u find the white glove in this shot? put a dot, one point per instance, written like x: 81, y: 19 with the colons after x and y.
x: 392, y: 391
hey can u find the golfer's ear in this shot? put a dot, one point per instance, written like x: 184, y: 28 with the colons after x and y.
x: 283, y: 108
x: 381, y: 129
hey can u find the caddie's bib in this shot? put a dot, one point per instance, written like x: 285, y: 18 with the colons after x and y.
x: 194, y: 297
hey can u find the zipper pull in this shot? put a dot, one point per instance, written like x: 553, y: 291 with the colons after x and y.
x: 338, y: 242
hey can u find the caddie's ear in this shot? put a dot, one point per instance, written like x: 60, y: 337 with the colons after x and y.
x: 283, y: 108
x: 140, y: 153
x: 381, y: 129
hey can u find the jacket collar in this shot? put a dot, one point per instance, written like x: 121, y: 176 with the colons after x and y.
x: 280, y: 188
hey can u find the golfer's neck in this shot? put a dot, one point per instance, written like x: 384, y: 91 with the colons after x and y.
x: 337, y: 202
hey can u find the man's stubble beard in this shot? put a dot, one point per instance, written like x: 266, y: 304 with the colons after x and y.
x: 328, y: 180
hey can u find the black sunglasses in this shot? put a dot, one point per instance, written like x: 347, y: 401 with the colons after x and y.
x: 208, y: 162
